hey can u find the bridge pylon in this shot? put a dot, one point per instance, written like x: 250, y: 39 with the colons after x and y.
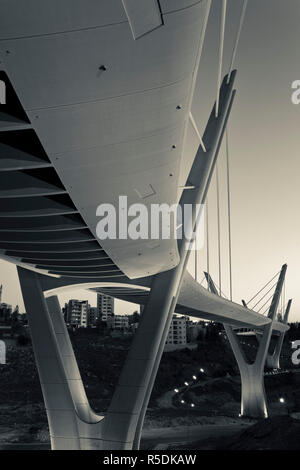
x: 273, y: 359
x: 253, y: 395
x: 72, y: 423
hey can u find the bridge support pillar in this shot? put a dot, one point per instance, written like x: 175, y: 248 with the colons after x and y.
x: 253, y: 396
x: 273, y: 360
x: 124, y: 420
x: 138, y: 432
x: 72, y: 423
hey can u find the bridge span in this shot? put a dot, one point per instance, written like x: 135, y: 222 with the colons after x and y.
x: 99, y: 98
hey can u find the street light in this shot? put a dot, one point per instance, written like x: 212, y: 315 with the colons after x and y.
x: 176, y: 390
x: 186, y: 384
x: 282, y: 400
x: 201, y: 370
x: 194, y: 377
x: 182, y: 401
x: 192, y: 405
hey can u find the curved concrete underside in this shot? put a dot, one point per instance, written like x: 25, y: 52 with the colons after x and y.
x: 100, y: 114
x: 93, y: 104
x: 98, y: 102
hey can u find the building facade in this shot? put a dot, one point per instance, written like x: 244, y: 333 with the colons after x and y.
x: 178, y: 330
x: 5, y: 312
x: 77, y: 312
x: 105, y: 306
x: 118, y: 322
x: 93, y: 316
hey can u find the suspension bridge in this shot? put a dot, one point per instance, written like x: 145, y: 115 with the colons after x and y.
x: 96, y: 106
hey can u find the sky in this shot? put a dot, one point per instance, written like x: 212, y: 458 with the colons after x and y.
x: 264, y: 154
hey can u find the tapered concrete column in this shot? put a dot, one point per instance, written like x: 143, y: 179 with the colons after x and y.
x: 66, y: 403
x: 273, y: 360
x: 72, y: 373
x: 58, y: 400
x: 72, y: 424
x: 253, y: 396
x: 138, y: 432
x: 123, y: 414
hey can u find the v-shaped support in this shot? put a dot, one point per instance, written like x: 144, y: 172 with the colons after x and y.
x: 253, y: 396
x: 273, y: 360
x: 72, y: 423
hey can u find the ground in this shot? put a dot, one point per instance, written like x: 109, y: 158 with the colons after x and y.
x: 212, y: 423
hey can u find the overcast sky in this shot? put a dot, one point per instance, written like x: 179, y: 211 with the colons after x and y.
x: 264, y: 152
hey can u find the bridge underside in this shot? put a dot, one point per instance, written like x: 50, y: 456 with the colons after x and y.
x: 196, y: 301
x: 113, y: 121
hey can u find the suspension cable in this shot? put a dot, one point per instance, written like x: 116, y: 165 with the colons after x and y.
x: 272, y: 287
x: 199, y: 54
x: 265, y: 304
x: 223, y: 293
x: 263, y: 288
x: 221, y: 48
x: 219, y: 228
x: 195, y: 72
x: 237, y: 39
x: 268, y: 307
x: 229, y: 215
x: 197, y: 131
x: 207, y: 237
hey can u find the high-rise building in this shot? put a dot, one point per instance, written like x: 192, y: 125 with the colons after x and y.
x: 105, y: 306
x: 77, y: 312
x: 93, y: 316
x: 177, y: 331
x: 118, y: 322
x: 5, y: 312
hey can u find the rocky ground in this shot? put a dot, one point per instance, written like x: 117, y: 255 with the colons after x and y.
x: 274, y: 433
x: 215, y: 394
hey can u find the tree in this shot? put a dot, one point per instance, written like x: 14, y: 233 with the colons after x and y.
x: 134, y: 318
